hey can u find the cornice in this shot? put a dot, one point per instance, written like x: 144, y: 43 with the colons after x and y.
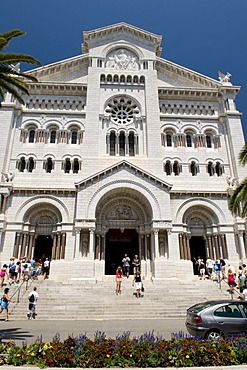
x: 121, y: 28
x: 194, y: 193
x: 58, y: 88
x: 26, y: 190
x: 188, y: 93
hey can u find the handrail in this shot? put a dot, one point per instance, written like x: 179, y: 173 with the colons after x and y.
x: 18, y: 290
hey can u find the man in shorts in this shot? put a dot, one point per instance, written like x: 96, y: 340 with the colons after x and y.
x: 32, y: 300
x: 126, y: 265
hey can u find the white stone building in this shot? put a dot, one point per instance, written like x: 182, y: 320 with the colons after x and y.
x: 120, y: 151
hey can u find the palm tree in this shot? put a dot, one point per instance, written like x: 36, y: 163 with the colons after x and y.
x: 238, y: 202
x: 11, y: 79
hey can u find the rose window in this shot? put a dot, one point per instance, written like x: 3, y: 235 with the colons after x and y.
x: 122, y: 110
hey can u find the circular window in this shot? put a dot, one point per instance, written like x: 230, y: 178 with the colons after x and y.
x: 122, y: 110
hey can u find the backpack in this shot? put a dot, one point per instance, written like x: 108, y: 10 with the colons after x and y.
x: 31, y: 298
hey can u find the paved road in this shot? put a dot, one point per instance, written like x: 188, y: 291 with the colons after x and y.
x: 29, y: 330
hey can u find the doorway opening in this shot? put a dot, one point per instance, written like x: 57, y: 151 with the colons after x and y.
x: 119, y: 243
x: 197, y: 249
x: 43, y: 247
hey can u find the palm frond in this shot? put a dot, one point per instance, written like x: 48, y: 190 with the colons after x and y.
x: 238, y: 202
x: 12, y: 58
x: 243, y: 155
x: 7, y: 36
x: 9, y: 87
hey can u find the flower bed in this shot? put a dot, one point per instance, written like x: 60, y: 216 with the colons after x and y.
x: 123, y: 351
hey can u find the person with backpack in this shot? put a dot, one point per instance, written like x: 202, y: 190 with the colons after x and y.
x: 32, y: 300
x: 5, y: 303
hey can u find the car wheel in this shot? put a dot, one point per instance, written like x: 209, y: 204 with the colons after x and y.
x: 214, y: 335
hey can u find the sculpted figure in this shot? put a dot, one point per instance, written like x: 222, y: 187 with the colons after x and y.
x: 224, y: 78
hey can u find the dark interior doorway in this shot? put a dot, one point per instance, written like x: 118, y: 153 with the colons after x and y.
x: 117, y: 244
x: 197, y: 249
x: 43, y: 247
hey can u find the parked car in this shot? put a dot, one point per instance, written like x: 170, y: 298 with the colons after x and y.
x: 217, y: 319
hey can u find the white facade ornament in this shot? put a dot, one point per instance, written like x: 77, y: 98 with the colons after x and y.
x: 7, y: 177
x: 232, y: 181
x: 225, y: 79
x: 122, y: 59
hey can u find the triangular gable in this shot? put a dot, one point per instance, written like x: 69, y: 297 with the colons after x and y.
x: 115, y: 168
x: 121, y: 29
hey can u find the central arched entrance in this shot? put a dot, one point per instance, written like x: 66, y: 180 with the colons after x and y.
x: 119, y: 242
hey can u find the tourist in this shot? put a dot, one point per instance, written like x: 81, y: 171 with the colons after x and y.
x: 119, y: 277
x: 231, y: 280
x: 137, y: 282
x: 202, y: 269
x: 209, y: 267
x: 126, y: 265
x: 3, y: 273
x: 32, y: 300
x: 5, y: 303
x: 46, y: 268
x: 136, y: 264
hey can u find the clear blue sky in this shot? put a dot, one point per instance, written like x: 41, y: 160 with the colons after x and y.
x: 203, y: 35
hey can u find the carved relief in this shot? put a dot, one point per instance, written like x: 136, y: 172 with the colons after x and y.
x: 122, y: 59
x: 121, y: 212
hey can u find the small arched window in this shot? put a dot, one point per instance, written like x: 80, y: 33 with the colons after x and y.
x: 102, y: 78
x: 142, y: 79
x: 67, y: 165
x: 194, y: 168
x: 209, y: 141
x: 49, y: 165
x: 109, y: 78
x: 122, y: 144
x: 74, y: 137
x: 122, y: 78
x: 53, y: 135
x: 115, y: 78
x: 30, y: 165
x: 219, y: 169
x: 76, y: 166
x: 168, y: 140
x: 129, y: 79
x: 112, y: 143
x: 135, y: 80
x: 168, y: 168
x: 210, y: 168
x: 22, y: 164
x: 31, y: 136
x: 131, y: 139
x: 176, y: 168
x: 189, y: 140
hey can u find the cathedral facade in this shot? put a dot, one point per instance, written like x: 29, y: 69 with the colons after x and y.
x: 117, y: 151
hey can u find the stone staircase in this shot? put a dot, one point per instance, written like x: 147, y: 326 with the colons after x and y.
x: 90, y: 300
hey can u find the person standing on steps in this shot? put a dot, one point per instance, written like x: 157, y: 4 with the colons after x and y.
x: 46, y: 268
x: 126, y: 265
x: 137, y: 281
x: 32, y: 300
x: 136, y: 264
x: 5, y: 303
x: 119, y: 277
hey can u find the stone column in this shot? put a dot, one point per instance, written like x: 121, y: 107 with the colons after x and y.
x: 58, y: 249
x: 188, y: 254
x: 156, y: 243
x: 77, y: 243
x: 97, y: 247
x: 30, y: 246
x: 217, y: 247
x: 62, y: 254
x: 54, y: 246
x: 241, y: 245
x: 210, y: 248
x: 23, y: 245
x: 181, y: 250
x: 17, y: 244
x: 4, y: 203
x: 223, y: 245
x: 142, y: 240
x: 91, y: 243
x: 102, y: 254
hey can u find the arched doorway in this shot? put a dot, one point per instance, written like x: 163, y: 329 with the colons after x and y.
x: 197, y: 249
x: 119, y: 242
x: 43, y: 247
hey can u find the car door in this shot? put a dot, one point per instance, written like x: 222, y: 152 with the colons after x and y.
x: 230, y: 318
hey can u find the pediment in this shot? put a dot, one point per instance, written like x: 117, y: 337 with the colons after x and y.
x: 122, y: 165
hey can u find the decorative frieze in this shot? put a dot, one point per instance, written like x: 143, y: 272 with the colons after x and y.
x: 187, y: 109
x: 56, y: 104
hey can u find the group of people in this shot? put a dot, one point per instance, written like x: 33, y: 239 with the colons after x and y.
x: 137, y: 280
x: 210, y: 269
x: 23, y: 269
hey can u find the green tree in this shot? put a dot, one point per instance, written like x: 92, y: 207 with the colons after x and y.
x: 238, y: 202
x: 12, y: 80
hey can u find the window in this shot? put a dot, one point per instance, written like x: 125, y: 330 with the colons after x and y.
x: 53, y: 135
x: 168, y: 140
x: 209, y: 141
x: 122, y: 144
x: 48, y: 165
x: 122, y: 79
x: 76, y: 166
x: 210, y: 169
x: 102, y: 78
x: 67, y: 166
x: 168, y: 168
x: 176, y: 168
x: 31, y: 136
x: 22, y: 165
x: 194, y: 169
x: 112, y: 143
x: 74, y: 137
x: 131, y: 139
x: 219, y: 169
x: 189, y: 140
x: 30, y: 165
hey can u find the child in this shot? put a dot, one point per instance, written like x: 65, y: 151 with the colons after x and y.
x: 119, y: 277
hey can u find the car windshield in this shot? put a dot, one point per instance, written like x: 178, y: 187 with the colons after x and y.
x: 199, y: 307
